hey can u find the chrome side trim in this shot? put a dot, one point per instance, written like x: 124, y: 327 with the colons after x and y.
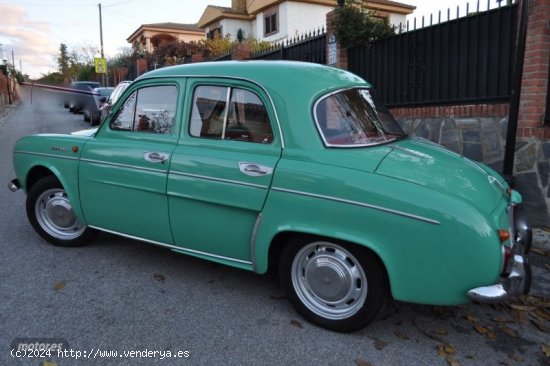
x: 44, y: 154
x: 221, y: 180
x: 118, y: 165
x: 360, y: 204
x: 253, y: 240
x: 173, y: 247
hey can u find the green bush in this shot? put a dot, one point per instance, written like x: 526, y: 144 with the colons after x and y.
x: 355, y: 25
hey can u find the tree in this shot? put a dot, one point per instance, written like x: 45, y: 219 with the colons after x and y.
x: 354, y: 24
x: 64, y: 61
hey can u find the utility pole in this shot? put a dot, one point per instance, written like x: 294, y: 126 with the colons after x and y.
x: 101, y: 41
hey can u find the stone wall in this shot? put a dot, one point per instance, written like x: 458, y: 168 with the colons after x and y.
x: 483, y: 138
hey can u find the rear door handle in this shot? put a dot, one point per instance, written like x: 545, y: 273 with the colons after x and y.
x: 156, y: 157
x: 254, y: 170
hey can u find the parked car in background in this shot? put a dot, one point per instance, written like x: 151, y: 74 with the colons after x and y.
x: 292, y: 166
x: 119, y: 89
x: 79, y: 94
x: 93, y: 105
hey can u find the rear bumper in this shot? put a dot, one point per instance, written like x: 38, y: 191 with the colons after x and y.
x: 14, y: 185
x: 516, y: 277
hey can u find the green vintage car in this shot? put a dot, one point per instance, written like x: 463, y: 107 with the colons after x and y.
x: 283, y: 165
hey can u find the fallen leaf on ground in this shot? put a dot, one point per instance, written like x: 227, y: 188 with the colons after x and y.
x: 296, y: 323
x: 543, y: 313
x: 445, y: 349
x: 159, y: 277
x: 540, y: 325
x: 361, y: 362
x: 516, y: 358
x: 59, y: 286
x: 538, y: 251
x: 452, y: 361
x: 400, y: 335
x: 500, y: 319
x: 545, y: 349
x: 441, y: 331
x: 472, y: 319
x: 507, y: 330
x: 484, y: 331
x: 379, y: 345
x: 522, y: 307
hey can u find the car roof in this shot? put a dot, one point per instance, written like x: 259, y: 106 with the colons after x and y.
x: 278, y: 76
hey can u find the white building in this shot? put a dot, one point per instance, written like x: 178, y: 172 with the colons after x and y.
x: 276, y: 20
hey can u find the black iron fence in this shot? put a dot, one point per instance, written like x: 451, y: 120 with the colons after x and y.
x: 308, y: 47
x: 464, y: 60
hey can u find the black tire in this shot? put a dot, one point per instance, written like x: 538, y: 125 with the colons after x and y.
x: 86, y: 117
x: 50, y: 214
x: 324, y: 298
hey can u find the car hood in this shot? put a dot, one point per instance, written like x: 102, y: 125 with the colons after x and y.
x: 425, y: 163
x: 85, y: 133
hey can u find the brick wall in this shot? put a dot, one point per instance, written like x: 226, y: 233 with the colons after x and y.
x: 535, y: 73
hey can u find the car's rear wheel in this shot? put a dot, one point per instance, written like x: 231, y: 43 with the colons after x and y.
x: 50, y: 212
x: 335, y: 285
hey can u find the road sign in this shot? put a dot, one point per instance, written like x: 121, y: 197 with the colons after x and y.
x: 100, y: 65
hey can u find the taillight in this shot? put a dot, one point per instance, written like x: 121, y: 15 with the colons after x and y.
x: 506, y: 256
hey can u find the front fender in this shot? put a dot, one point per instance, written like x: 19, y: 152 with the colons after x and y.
x: 57, y: 154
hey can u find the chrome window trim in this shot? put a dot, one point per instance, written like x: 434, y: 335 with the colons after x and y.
x: 134, y: 167
x: 230, y: 78
x: 320, y: 130
x: 45, y: 154
x: 173, y: 247
x: 360, y: 204
x: 221, y: 180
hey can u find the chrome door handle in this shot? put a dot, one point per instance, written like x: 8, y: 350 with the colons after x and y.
x: 254, y: 170
x: 155, y: 157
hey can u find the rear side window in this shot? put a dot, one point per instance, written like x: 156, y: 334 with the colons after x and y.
x: 227, y: 113
x: 150, y: 109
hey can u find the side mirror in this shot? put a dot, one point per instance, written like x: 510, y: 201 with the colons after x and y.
x: 103, y: 99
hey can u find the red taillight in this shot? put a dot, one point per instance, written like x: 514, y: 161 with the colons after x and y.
x: 507, y: 255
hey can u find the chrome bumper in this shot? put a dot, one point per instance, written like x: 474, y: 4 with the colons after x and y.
x: 14, y: 185
x: 516, y: 279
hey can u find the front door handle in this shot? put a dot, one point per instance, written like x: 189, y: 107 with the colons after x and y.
x: 254, y: 170
x: 156, y: 157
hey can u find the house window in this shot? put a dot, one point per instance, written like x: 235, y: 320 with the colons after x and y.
x: 271, y: 21
x: 212, y: 33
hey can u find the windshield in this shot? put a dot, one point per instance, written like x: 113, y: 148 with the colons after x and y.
x: 353, y: 117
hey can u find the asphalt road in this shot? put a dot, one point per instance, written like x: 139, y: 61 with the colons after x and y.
x: 122, y: 295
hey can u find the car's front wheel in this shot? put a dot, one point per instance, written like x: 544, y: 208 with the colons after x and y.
x: 335, y: 285
x: 50, y: 212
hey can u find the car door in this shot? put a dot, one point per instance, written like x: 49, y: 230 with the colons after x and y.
x: 124, y: 168
x: 222, y: 169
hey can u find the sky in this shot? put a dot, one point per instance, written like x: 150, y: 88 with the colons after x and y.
x: 34, y: 29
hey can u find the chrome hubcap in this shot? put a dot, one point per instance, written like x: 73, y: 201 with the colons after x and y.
x: 329, y: 280
x: 55, y: 215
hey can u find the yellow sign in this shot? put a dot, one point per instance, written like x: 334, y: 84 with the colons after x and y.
x: 100, y: 65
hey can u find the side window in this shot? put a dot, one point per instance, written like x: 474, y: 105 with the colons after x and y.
x: 150, y: 109
x: 246, y: 118
x: 124, y: 120
x: 209, y: 112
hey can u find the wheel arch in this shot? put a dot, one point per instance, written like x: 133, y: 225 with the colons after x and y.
x: 281, y: 238
x: 40, y: 171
